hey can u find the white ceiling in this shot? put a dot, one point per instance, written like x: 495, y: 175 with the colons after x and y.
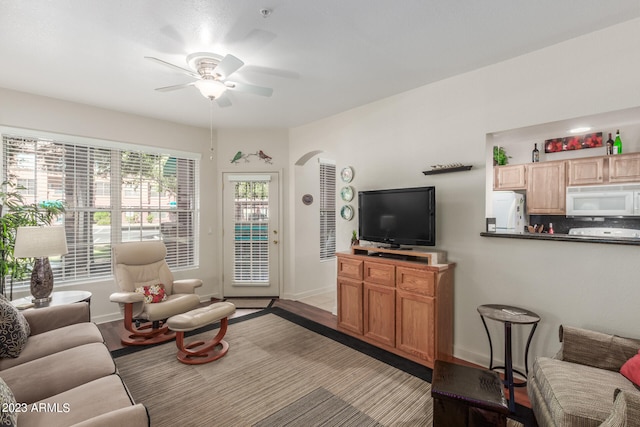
x: 320, y: 56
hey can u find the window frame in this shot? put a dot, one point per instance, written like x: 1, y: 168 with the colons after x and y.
x: 327, y: 209
x: 188, y: 172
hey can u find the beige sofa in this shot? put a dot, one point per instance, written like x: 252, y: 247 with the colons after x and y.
x: 64, y: 375
x: 582, y: 385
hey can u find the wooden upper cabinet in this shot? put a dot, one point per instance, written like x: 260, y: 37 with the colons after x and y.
x: 546, y: 184
x: 624, y: 168
x: 586, y: 171
x: 509, y: 177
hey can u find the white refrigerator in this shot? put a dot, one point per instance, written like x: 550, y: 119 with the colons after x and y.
x: 509, y: 211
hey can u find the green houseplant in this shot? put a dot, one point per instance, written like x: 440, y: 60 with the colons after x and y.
x: 14, y: 213
x: 499, y: 156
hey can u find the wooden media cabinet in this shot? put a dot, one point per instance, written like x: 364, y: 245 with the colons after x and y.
x: 397, y: 300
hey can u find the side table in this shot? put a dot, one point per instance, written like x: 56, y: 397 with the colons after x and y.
x: 466, y: 396
x: 509, y: 315
x: 57, y: 298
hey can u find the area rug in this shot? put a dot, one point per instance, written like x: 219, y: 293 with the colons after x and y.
x: 251, y: 302
x: 281, y: 370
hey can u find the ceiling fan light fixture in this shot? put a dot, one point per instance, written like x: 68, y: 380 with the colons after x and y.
x: 211, y: 89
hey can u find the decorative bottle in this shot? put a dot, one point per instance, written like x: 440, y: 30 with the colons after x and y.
x: 609, y: 145
x: 535, y: 154
x: 617, y: 144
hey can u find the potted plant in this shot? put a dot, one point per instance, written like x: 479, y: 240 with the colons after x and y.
x: 499, y: 156
x: 15, y: 213
x: 354, y: 238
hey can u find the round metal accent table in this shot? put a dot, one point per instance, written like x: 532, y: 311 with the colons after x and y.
x: 509, y: 315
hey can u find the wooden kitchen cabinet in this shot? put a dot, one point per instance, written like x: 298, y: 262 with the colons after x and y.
x: 406, y: 305
x: 546, y: 185
x: 624, y: 168
x: 587, y: 171
x: 510, y: 177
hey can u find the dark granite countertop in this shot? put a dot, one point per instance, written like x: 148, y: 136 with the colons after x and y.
x: 565, y: 238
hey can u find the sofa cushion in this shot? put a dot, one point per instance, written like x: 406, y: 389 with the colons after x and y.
x: 78, y: 404
x: 596, y: 349
x: 631, y: 369
x: 50, y: 375
x: 14, y: 329
x: 54, y: 341
x: 574, y: 394
x: 8, y: 415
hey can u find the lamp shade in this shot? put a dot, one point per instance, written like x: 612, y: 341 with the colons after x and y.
x: 38, y: 242
x: 210, y: 88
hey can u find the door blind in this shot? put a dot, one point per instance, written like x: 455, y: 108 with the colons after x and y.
x: 251, y: 232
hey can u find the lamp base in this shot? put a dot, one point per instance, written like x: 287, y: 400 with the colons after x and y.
x: 41, y: 301
x: 41, y: 281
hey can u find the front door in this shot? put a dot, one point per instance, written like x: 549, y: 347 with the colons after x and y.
x: 251, y: 239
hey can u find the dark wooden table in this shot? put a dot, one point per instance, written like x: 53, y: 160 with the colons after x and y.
x: 467, y: 396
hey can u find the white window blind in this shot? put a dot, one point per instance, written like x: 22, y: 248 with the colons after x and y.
x: 327, y: 210
x: 251, y: 230
x: 110, y: 194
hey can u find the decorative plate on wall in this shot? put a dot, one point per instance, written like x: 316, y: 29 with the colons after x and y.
x: 347, y: 174
x: 346, y: 193
x: 346, y: 212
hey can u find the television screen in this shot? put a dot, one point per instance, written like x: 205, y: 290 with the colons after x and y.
x: 403, y: 216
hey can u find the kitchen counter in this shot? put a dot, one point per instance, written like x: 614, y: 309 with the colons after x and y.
x: 566, y: 238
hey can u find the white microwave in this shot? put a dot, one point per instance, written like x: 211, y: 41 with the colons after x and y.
x: 604, y: 200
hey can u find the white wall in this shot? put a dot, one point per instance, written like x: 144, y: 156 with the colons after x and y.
x: 389, y: 143
x: 32, y: 112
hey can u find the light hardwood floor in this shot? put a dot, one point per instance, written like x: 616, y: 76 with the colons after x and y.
x: 110, y: 332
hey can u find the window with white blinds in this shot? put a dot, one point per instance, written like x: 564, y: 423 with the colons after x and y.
x: 327, y: 210
x: 110, y: 195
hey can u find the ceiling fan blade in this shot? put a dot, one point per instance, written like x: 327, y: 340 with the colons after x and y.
x: 174, y: 87
x: 249, y: 88
x: 229, y: 65
x: 174, y: 67
x: 223, y: 101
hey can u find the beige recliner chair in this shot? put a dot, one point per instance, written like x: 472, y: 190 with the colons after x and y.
x: 142, y: 264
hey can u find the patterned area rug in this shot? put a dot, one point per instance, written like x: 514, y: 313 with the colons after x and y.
x: 278, y: 372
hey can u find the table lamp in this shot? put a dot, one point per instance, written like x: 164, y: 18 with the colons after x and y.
x: 40, y: 243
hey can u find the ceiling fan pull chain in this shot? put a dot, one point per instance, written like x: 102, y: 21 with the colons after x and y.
x: 211, y: 128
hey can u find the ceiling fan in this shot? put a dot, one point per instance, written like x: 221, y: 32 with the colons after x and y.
x: 211, y: 72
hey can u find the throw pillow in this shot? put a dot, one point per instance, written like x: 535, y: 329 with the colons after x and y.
x: 152, y: 293
x: 14, y: 329
x: 631, y: 369
x: 8, y: 415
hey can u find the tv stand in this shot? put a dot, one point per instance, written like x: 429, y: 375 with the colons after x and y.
x: 404, y: 307
x: 408, y: 254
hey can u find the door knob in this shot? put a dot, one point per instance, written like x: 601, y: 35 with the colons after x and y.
x: 275, y: 242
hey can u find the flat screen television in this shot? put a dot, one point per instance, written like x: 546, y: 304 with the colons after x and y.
x: 402, y: 216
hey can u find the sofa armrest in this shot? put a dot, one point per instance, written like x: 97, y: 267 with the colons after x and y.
x: 135, y: 415
x: 49, y: 318
x: 626, y: 410
x: 186, y: 286
x: 597, y: 349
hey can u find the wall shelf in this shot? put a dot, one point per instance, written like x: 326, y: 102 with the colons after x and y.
x: 447, y: 170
